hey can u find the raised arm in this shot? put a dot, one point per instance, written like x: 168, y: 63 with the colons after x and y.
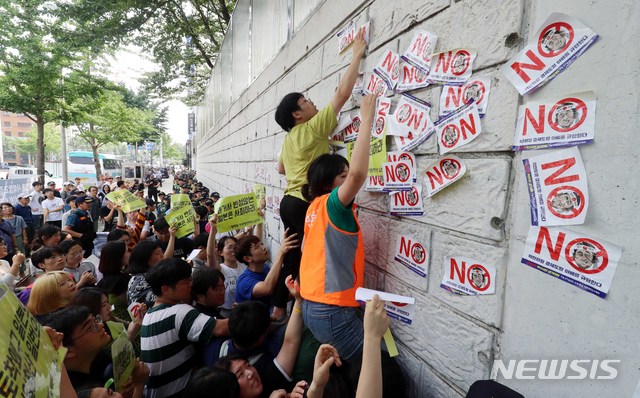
x: 359, y: 165
x: 266, y: 287
x: 376, y: 322
x: 213, y: 260
x: 292, y: 336
x: 345, y: 87
x: 168, y: 253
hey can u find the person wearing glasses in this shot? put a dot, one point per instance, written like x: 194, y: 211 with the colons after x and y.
x: 85, y: 337
x: 83, y: 272
x: 207, y: 291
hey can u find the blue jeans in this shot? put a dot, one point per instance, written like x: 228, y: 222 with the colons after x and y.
x: 339, y: 326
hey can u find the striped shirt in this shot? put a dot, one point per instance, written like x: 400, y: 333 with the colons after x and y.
x: 167, y: 337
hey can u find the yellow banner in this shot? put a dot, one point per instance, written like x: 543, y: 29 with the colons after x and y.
x: 124, y: 360
x: 183, y: 219
x: 377, y: 155
x: 260, y: 191
x: 126, y: 200
x: 235, y: 212
x: 29, y: 364
x: 180, y: 200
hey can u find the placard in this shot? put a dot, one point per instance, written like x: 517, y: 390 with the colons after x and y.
x: 383, y: 105
x: 558, y: 43
x: 30, y: 366
x: 458, y: 128
x: 404, y: 156
x: 452, y: 67
x: 412, y: 254
x: 419, y: 52
x: 179, y: 200
x: 558, y: 190
x: 561, y: 121
x: 377, y: 156
x: 182, y: 218
x: 126, y: 200
x: 585, y: 262
x: 124, y: 360
x: 238, y: 211
x: 443, y: 173
x: 454, y: 97
x: 374, y: 84
x: 468, y: 277
x: 346, y: 35
x: 406, y: 203
x: 411, y: 78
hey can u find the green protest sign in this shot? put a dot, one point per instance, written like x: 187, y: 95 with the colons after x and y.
x: 180, y: 200
x: 238, y: 211
x: 183, y: 220
x: 126, y: 200
x: 124, y: 360
x: 260, y: 191
x: 29, y: 364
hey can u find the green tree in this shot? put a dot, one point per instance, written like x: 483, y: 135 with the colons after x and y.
x: 31, y: 62
x: 52, y: 144
x: 105, y: 118
x: 183, y: 36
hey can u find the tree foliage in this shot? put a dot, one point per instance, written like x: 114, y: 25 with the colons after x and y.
x: 183, y: 36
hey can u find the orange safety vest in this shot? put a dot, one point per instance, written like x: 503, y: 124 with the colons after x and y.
x: 332, y: 265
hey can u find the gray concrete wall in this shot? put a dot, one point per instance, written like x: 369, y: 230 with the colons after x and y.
x: 485, y: 216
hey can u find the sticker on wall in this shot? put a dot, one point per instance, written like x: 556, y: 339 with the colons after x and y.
x: 558, y: 43
x: 443, y: 173
x: 383, y: 106
x: 350, y: 133
x: 412, y: 254
x: 405, y: 156
x: 374, y: 84
x: 374, y: 184
x: 458, y: 128
x: 410, y: 122
x: 453, y: 97
x: 276, y: 206
x: 411, y: 78
x: 452, y: 67
x: 419, y: 52
x: 398, y: 176
x: 562, y: 121
x: 344, y: 120
x: 388, y: 68
x: 398, y: 307
x: 585, y: 262
x: 558, y: 191
x: 406, y: 203
x: 468, y: 277
x: 358, y: 86
x: 346, y: 36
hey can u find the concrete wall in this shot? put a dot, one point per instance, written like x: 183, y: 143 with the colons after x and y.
x: 485, y: 216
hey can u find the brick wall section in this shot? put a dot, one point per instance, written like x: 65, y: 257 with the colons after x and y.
x: 484, y: 216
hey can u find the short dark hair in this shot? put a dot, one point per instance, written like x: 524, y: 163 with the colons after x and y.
x: 201, y: 240
x: 205, y: 380
x: 42, y: 254
x: 47, y: 190
x: 284, y: 111
x: 225, y: 362
x: 120, y: 183
x: 65, y: 321
x: 202, y: 211
x: 70, y: 199
x: 160, y: 224
x: 6, y: 204
x: 89, y: 297
x: 67, y: 244
x: 116, y: 234
x: 33, y: 184
x: 203, y: 279
x: 139, y: 258
x: 111, y: 257
x: 321, y: 174
x: 248, y: 321
x: 168, y: 272
x: 243, y: 247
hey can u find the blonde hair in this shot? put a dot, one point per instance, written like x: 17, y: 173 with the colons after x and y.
x: 45, y: 293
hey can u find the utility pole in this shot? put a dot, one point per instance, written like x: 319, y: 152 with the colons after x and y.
x: 63, y: 136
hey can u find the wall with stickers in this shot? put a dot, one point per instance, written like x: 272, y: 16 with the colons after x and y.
x: 503, y: 183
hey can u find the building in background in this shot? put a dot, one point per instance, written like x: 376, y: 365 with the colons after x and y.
x: 15, y: 126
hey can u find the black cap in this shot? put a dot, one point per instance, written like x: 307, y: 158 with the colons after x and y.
x: 81, y: 199
x: 215, y: 195
x: 150, y: 202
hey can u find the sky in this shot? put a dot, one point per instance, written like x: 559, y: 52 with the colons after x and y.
x: 128, y: 66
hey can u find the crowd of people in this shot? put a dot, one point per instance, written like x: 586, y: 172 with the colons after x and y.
x: 234, y: 320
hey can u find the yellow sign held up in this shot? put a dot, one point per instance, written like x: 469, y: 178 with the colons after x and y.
x: 124, y: 360
x: 180, y: 200
x: 183, y: 220
x: 238, y: 211
x: 29, y: 364
x: 126, y: 200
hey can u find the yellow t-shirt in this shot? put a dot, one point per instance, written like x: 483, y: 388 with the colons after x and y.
x: 302, y: 145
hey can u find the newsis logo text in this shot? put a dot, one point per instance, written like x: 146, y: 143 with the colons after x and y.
x: 555, y: 369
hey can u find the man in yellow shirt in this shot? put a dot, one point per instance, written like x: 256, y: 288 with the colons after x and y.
x: 307, y: 138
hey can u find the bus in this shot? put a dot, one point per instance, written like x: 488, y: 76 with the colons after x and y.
x: 80, y: 164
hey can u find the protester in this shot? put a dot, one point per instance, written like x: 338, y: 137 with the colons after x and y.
x: 47, y: 236
x: 144, y: 256
x: 207, y: 291
x: 36, y: 204
x: 83, y: 272
x: 23, y: 210
x: 17, y: 223
x: 80, y: 225
x: 114, y: 258
x: 50, y: 292
x: 10, y: 273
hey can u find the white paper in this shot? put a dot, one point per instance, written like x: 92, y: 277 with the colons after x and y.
x: 412, y: 254
x: 419, y: 51
x: 192, y: 255
x: 398, y: 176
x: 468, y: 277
x: 406, y: 203
x: 388, y: 68
x: 452, y: 67
x: 458, y: 128
x: 364, y: 294
x: 443, y: 173
x: 454, y: 97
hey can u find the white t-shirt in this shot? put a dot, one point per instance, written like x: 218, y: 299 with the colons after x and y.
x: 50, y: 204
x: 36, y: 207
x: 230, y: 281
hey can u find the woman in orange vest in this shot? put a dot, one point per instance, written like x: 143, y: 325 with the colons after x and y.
x: 332, y: 265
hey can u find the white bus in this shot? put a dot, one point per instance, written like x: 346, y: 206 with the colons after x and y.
x: 80, y: 164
